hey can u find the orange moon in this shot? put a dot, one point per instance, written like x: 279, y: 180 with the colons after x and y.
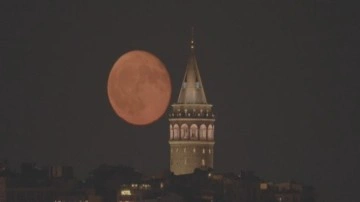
x: 139, y: 87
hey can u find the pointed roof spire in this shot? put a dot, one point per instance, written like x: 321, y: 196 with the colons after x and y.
x: 192, y: 90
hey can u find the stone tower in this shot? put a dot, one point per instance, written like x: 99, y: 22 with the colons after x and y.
x: 191, y: 124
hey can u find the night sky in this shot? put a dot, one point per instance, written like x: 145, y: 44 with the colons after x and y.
x: 283, y: 78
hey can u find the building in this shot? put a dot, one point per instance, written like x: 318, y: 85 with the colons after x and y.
x: 137, y: 192
x: 287, y: 192
x: 79, y: 195
x: 191, y: 124
x: 294, y: 192
x: 43, y: 184
x: 63, y: 172
x: 209, y: 186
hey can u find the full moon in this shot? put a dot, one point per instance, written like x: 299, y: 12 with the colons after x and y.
x: 139, y: 87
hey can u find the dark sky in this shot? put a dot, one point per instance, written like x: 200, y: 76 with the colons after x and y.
x: 283, y: 78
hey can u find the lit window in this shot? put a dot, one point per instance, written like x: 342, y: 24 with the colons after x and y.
x: 145, y: 186
x: 209, y: 151
x: 193, y: 132
x: 184, y: 131
x: 126, y: 192
x: 210, y: 132
x: 134, y: 185
x: 176, y: 132
x: 203, y: 151
x: 197, y: 84
x: 171, y: 132
x: 185, y: 161
x: 263, y: 186
x: 203, y: 162
x: 194, y: 150
x: 202, y: 132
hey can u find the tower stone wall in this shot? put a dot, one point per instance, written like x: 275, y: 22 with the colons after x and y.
x: 186, y: 156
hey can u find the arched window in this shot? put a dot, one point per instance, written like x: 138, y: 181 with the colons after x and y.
x: 193, y: 132
x: 202, y: 132
x: 210, y: 132
x: 176, y: 132
x: 171, y: 132
x: 184, y: 131
x: 213, y: 132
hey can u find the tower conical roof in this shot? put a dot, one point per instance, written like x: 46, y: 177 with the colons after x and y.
x: 192, y: 90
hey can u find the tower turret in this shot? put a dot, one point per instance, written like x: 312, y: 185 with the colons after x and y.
x: 191, y: 123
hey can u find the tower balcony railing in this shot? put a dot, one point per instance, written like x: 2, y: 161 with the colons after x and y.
x: 191, y: 140
x: 191, y: 115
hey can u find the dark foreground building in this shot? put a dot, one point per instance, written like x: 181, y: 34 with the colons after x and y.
x: 209, y: 186
x: 43, y: 184
x: 122, y: 183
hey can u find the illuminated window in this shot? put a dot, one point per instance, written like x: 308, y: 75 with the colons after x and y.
x: 171, y: 132
x: 209, y: 151
x: 263, y: 186
x: 210, y: 132
x: 161, y: 185
x: 134, y: 185
x: 145, y: 186
x: 203, y: 151
x: 126, y: 192
x: 185, y: 162
x: 184, y: 131
x: 202, y: 132
x: 176, y: 131
x: 193, y: 132
x: 203, y: 162
x: 194, y: 150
